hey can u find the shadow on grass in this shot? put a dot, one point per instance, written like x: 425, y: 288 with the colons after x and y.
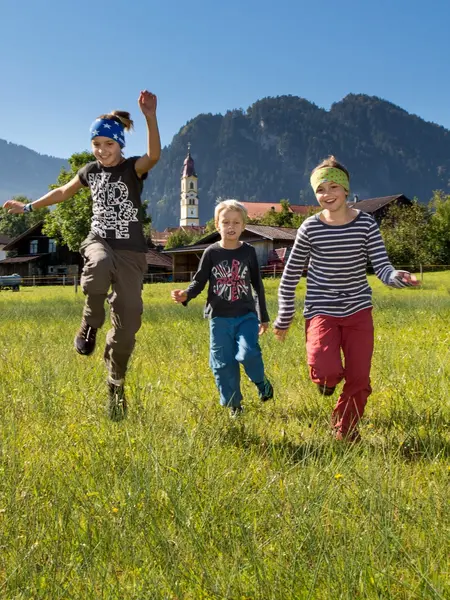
x: 417, y: 447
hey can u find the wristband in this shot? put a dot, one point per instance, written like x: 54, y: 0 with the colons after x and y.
x: 28, y: 208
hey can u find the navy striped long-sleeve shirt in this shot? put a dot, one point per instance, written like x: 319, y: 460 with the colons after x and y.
x: 336, y: 282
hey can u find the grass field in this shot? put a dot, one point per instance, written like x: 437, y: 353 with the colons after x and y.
x: 180, y: 502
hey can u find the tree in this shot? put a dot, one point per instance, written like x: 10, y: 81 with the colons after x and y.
x: 406, y: 232
x: 284, y: 218
x: 181, y: 237
x: 210, y: 226
x: 69, y: 222
x: 440, y: 227
x: 14, y: 225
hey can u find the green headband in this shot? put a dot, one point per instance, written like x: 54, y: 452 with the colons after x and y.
x: 329, y: 174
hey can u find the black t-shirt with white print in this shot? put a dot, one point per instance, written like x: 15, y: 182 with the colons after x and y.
x: 116, y: 196
x: 231, y: 275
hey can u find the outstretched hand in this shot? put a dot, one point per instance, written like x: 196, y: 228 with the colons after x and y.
x: 147, y: 103
x: 280, y: 334
x: 178, y: 296
x: 408, y: 278
x: 14, y: 207
x: 263, y: 327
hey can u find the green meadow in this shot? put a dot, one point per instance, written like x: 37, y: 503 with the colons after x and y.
x: 180, y: 502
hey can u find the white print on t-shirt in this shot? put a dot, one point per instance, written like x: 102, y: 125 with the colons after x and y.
x: 230, y: 281
x: 111, y: 208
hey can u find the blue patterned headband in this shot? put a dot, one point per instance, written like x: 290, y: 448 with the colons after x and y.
x: 109, y: 128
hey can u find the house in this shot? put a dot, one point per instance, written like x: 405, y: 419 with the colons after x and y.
x: 159, y: 266
x: 37, y: 255
x: 378, y: 207
x: 256, y: 210
x: 264, y: 238
x: 4, y: 240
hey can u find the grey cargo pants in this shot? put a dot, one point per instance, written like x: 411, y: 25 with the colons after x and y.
x: 123, y: 271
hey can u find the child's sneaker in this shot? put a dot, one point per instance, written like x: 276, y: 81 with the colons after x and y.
x: 265, y: 390
x: 117, y: 403
x: 325, y: 390
x: 236, y: 412
x: 85, y: 339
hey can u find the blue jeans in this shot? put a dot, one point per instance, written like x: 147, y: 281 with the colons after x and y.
x: 234, y: 340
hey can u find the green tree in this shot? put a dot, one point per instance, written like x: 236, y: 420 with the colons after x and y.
x: 210, y: 226
x: 278, y: 219
x: 284, y: 218
x: 181, y: 238
x: 440, y: 227
x: 14, y: 225
x: 69, y: 222
x: 406, y: 232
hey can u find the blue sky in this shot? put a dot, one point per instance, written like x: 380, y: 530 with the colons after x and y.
x: 63, y: 65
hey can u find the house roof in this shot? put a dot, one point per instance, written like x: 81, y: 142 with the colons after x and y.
x: 254, y: 234
x: 29, y: 231
x: 304, y: 210
x: 272, y: 233
x: 373, y: 204
x: 21, y: 259
x: 259, y: 209
x: 157, y: 259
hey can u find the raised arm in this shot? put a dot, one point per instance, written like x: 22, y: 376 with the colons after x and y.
x: 147, y: 103
x: 54, y: 197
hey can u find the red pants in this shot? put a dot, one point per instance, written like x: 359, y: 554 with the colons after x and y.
x: 325, y: 338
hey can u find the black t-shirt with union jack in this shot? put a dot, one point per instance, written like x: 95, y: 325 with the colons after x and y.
x: 231, y: 275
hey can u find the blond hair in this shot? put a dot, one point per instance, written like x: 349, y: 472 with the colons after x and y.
x: 230, y: 205
x: 122, y: 117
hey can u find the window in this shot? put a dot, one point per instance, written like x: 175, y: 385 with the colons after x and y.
x: 191, y: 185
x: 33, y: 247
x: 52, y: 245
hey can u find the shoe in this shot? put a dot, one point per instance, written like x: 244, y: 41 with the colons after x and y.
x: 351, y: 437
x: 265, y: 390
x: 85, y: 339
x: 117, y: 403
x: 236, y: 412
x: 324, y: 390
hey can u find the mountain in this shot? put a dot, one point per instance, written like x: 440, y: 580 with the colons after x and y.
x: 267, y: 152
x: 24, y: 172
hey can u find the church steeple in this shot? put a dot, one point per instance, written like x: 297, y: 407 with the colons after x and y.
x: 189, y: 192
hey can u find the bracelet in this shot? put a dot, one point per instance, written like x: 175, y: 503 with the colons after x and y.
x: 28, y: 208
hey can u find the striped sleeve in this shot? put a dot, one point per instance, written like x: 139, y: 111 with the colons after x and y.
x: 290, y: 278
x: 380, y: 260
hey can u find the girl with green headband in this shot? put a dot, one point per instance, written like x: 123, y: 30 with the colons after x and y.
x: 335, y: 245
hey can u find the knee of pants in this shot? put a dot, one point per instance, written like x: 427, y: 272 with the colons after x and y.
x: 122, y: 340
x: 220, y: 361
x: 246, y: 353
x: 326, y: 376
x: 126, y: 319
x: 96, y: 276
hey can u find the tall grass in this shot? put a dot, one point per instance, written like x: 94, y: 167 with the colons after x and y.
x: 180, y: 502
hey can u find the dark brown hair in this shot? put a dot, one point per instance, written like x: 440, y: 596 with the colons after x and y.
x: 333, y: 163
x: 122, y: 117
